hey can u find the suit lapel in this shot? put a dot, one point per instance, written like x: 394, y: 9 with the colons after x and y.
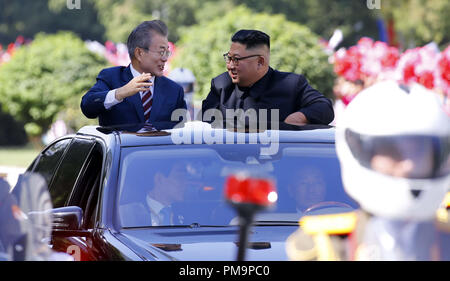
x: 134, y: 100
x: 126, y: 75
x: 158, y: 98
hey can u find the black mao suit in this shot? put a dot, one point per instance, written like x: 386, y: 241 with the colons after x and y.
x: 288, y: 92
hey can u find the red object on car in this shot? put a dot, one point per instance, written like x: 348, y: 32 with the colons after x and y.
x: 242, y: 189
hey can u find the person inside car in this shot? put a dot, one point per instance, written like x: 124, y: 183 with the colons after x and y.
x: 155, y: 208
x: 167, y: 189
x: 308, y: 188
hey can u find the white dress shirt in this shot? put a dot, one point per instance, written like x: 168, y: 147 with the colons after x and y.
x: 155, y: 209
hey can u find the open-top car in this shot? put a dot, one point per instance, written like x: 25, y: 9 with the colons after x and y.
x: 159, y: 194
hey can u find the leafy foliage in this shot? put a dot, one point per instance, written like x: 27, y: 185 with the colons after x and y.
x: 12, y: 132
x: 353, y: 17
x: 294, y: 48
x: 29, y: 17
x: 324, y: 16
x: 420, y: 21
x: 121, y: 16
x: 42, y: 78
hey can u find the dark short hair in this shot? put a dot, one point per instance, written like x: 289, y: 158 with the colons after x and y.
x: 142, y: 34
x: 251, y: 38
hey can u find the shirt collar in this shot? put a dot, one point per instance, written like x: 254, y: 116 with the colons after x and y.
x: 261, y: 85
x: 136, y: 73
x: 154, y: 205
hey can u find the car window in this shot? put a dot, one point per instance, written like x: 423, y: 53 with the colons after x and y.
x: 85, y: 193
x: 69, y: 170
x: 48, y: 160
x: 190, y: 180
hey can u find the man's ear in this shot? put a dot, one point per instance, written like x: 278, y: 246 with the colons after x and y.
x: 138, y: 53
x: 262, y: 62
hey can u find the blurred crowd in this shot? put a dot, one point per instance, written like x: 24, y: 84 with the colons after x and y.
x: 369, y: 62
x: 7, y: 52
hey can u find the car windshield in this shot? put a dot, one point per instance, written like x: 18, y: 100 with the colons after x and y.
x: 183, y: 184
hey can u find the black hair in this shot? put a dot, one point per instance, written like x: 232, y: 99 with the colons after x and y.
x: 141, y: 35
x: 251, y: 38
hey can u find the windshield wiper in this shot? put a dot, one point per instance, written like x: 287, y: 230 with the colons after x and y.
x: 191, y: 225
x: 275, y: 223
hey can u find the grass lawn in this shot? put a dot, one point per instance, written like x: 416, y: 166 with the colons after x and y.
x: 18, y: 156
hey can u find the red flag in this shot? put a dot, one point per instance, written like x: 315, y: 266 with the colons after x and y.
x: 392, y: 40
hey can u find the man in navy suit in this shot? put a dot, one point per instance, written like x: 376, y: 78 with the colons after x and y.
x: 138, y: 93
x: 250, y: 83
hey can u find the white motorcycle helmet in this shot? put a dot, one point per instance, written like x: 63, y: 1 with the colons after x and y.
x: 393, y: 144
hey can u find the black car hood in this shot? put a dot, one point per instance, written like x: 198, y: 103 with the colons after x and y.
x: 206, y: 243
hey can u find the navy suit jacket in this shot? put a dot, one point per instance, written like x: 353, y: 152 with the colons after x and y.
x: 288, y: 92
x: 167, y: 97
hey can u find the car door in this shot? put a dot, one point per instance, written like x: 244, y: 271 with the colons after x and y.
x: 76, y: 183
x: 69, y: 170
x: 65, y: 165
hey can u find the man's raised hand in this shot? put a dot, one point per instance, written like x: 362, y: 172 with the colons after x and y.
x: 137, y: 84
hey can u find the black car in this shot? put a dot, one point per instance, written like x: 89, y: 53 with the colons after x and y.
x: 110, y: 189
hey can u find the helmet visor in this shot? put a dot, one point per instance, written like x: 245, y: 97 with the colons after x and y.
x: 406, y: 156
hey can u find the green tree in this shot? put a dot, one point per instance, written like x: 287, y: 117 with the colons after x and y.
x: 324, y: 16
x: 420, y: 21
x: 353, y: 17
x: 294, y: 48
x: 12, y: 132
x: 120, y: 16
x: 45, y: 77
x: 29, y: 17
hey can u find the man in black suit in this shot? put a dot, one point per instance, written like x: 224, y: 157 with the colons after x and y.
x: 250, y: 83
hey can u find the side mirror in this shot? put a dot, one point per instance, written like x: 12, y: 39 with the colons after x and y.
x: 67, y: 218
x: 67, y: 221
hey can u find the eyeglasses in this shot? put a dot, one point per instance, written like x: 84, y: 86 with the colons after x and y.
x: 162, y: 53
x: 236, y: 60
